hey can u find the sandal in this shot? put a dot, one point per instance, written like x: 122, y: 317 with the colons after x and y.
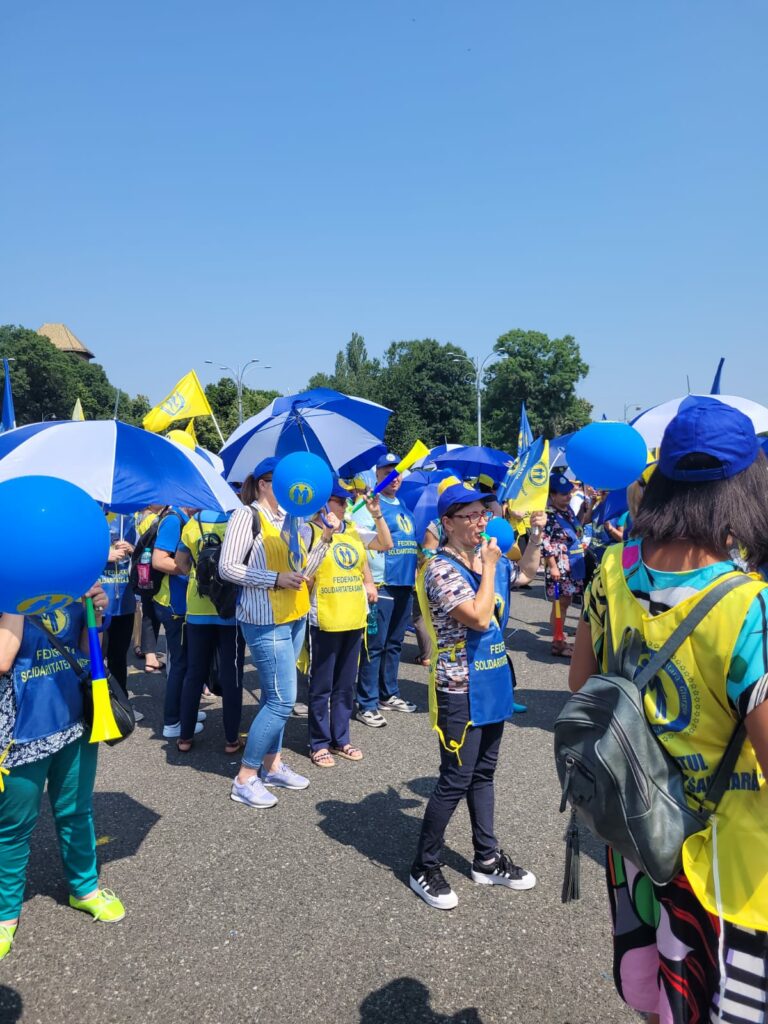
x: 138, y: 652
x: 424, y: 662
x: 151, y: 669
x: 234, y: 748
x: 348, y: 752
x: 184, y: 746
x: 322, y: 758
x: 562, y: 650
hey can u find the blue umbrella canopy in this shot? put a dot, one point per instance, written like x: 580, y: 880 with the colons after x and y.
x: 472, y: 460
x: 122, y: 467
x: 413, y: 484
x: 347, y: 432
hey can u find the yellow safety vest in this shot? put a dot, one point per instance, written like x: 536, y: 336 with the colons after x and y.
x: 339, y: 583
x: 192, y: 538
x: 287, y: 605
x: 688, y: 708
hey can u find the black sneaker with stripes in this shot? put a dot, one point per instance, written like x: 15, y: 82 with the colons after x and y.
x: 430, y: 884
x: 502, y: 872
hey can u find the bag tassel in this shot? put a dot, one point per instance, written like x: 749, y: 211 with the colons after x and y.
x: 571, y: 881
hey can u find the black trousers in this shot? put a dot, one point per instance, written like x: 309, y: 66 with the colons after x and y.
x: 473, y: 779
x: 150, y: 625
x: 203, y: 641
x: 118, y: 634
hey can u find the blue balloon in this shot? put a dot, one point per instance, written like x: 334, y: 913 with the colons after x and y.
x: 56, y: 544
x: 503, y: 532
x: 302, y: 483
x: 607, y: 455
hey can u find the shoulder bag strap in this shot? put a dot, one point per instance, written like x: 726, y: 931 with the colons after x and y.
x: 55, y: 642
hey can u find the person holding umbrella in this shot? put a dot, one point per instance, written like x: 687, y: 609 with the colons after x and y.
x: 272, y: 608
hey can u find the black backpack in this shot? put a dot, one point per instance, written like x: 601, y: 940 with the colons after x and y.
x: 143, y: 579
x: 221, y: 592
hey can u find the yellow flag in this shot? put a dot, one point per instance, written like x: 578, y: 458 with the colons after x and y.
x: 190, y: 428
x: 534, y: 489
x: 77, y: 412
x: 187, y: 399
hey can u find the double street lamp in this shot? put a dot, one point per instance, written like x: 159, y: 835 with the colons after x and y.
x: 478, y: 368
x: 238, y: 374
x: 634, y: 407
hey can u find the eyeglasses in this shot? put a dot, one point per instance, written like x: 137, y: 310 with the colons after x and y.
x: 474, y: 517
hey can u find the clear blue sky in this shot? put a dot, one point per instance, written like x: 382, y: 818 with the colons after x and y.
x: 185, y: 180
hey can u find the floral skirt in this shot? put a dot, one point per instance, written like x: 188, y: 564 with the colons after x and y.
x: 665, y: 953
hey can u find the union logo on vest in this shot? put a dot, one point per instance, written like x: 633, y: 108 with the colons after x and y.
x: 404, y: 523
x: 345, y: 555
x: 664, y: 717
x: 301, y: 493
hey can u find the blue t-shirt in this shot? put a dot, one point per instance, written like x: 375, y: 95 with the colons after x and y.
x: 115, y: 578
x: 168, y: 539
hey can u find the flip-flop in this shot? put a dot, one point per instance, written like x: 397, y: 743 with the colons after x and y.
x: 152, y: 670
x: 138, y: 653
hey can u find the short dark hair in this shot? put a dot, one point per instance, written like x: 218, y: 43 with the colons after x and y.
x: 711, y: 513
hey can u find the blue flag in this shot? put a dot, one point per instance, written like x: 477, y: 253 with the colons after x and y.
x: 525, y: 434
x: 9, y: 416
x: 715, y: 390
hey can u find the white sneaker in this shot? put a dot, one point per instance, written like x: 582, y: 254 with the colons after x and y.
x: 252, y: 793
x: 201, y: 716
x: 371, y: 718
x: 171, y: 732
x: 430, y: 884
x: 397, y: 704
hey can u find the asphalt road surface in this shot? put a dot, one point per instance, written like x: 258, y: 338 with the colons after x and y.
x: 303, y: 912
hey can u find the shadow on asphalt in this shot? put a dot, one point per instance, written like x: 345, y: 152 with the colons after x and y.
x: 407, y: 1001
x: 122, y: 825
x: 543, y: 708
x: 11, y: 1005
x: 379, y: 829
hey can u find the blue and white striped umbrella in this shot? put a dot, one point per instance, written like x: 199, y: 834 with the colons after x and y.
x: 652, y: 423
x: 347, y: 432
x: 122, y: 467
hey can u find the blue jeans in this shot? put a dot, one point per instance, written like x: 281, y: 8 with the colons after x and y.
x: 176, y: 667
x: 274, y: 651
x: 377, y: 679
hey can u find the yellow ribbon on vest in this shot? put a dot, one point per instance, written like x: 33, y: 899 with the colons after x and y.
x: 687, y: 704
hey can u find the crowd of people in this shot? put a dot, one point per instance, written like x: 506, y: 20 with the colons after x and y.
x: 332, y: 598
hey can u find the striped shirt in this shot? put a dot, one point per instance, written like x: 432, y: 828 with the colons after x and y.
x: 244, y: 561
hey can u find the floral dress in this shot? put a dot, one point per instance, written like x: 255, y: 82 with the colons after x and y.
x: 555, y: 544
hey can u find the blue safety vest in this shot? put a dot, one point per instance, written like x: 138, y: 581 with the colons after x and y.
x: 401, y: 562
x: 490, y: 676
x: 47, y: 689
x: 578, y: 568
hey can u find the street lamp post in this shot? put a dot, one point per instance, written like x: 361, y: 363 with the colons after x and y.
x: 478, y: 367
x: 631, y: 405
x: 238, y: 372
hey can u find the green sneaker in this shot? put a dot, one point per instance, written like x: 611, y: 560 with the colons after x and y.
x: 104, y: 906
x: 7, y: 931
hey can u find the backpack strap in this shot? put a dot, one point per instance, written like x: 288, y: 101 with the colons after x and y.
x: 720, y: 779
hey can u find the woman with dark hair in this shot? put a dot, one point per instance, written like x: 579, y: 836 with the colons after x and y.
x: 696, y: 949
x: 563, y: 553
x: 464, y: 595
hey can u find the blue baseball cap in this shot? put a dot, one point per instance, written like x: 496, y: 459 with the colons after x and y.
x: 704, y: 426
x: 388, y: 461
x: 265, y: 466
x: 339, y: 489
x: 560, y: 484
x: 454, y: 492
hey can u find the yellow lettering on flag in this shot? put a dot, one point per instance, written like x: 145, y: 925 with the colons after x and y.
x: 186, y: 400
x: 77, y: 412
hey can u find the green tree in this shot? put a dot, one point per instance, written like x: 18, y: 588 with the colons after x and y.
x: 355, y: 373
x: 47, y: 382
x: 222, y: 396
x: 426, y: 384
x: 541, y: 371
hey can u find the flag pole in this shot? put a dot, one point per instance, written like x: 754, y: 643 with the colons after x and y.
x: 216, y: 424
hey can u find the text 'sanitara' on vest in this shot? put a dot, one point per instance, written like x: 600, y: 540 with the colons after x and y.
x: 400, y: 562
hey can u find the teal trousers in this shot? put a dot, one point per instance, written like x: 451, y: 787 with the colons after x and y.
x: 70, y: 775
